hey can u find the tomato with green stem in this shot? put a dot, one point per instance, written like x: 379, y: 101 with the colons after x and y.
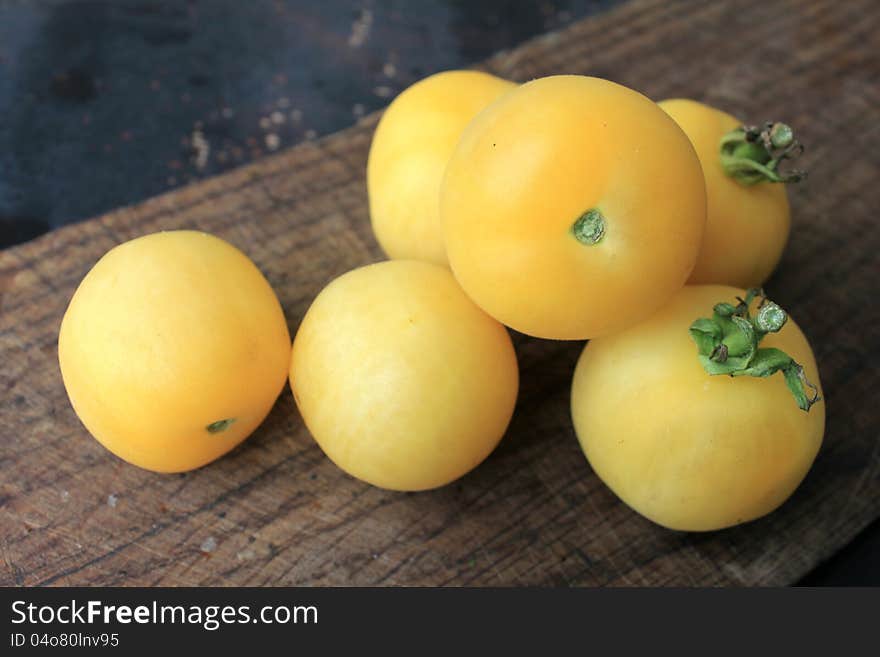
x: 173, y: 349
x: 700, y: 423
x: 748, y: 217
x: 572, y: 207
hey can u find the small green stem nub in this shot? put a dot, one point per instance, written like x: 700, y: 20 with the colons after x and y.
x: 220, y: 425
x: 727, y: 343
x: 752, y: 154
x: 590, y: 227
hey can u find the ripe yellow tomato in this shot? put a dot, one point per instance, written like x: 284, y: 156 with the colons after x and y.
x: 685, y: 449
x: 401, y: 379
x: 173, y: 349
x: 747, y: 225
x: 572, y: 207
x: 408, y: 155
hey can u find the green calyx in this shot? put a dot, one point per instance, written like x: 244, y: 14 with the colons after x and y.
x: 752, y: 154
x: 219, y: 425
x: 590, y: 227
x: 727, y: 343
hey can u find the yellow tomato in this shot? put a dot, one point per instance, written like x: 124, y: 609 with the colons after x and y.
x: 746, y: 225
x: 410, y: 149
x: 572, y: 207
x: 685, y: 449
x: 173, y: 349
x: 401, y: 379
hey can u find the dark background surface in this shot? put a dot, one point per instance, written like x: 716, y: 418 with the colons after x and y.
x: 106, y: 103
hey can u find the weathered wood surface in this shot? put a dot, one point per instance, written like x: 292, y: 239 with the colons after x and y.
x: 277, y: 512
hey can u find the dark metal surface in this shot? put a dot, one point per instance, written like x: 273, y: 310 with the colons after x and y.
x: 106, y: 103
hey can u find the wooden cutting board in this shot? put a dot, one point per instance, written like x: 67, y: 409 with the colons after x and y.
x: 277, y: 512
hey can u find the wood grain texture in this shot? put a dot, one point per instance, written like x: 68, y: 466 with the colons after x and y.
x: 277, y: 512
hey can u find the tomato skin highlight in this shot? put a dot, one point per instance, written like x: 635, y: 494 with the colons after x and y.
x: 408, y: 155
x: 401, y: 379
x: 687, y: 450
x: 173, y: 350
x: 538, y: 159
x: 747, y: 226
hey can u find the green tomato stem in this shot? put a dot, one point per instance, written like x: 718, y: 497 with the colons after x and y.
x: 752, y: 154
x: 220, y: 425
x: 589, y: 228
x: 727, y: 343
